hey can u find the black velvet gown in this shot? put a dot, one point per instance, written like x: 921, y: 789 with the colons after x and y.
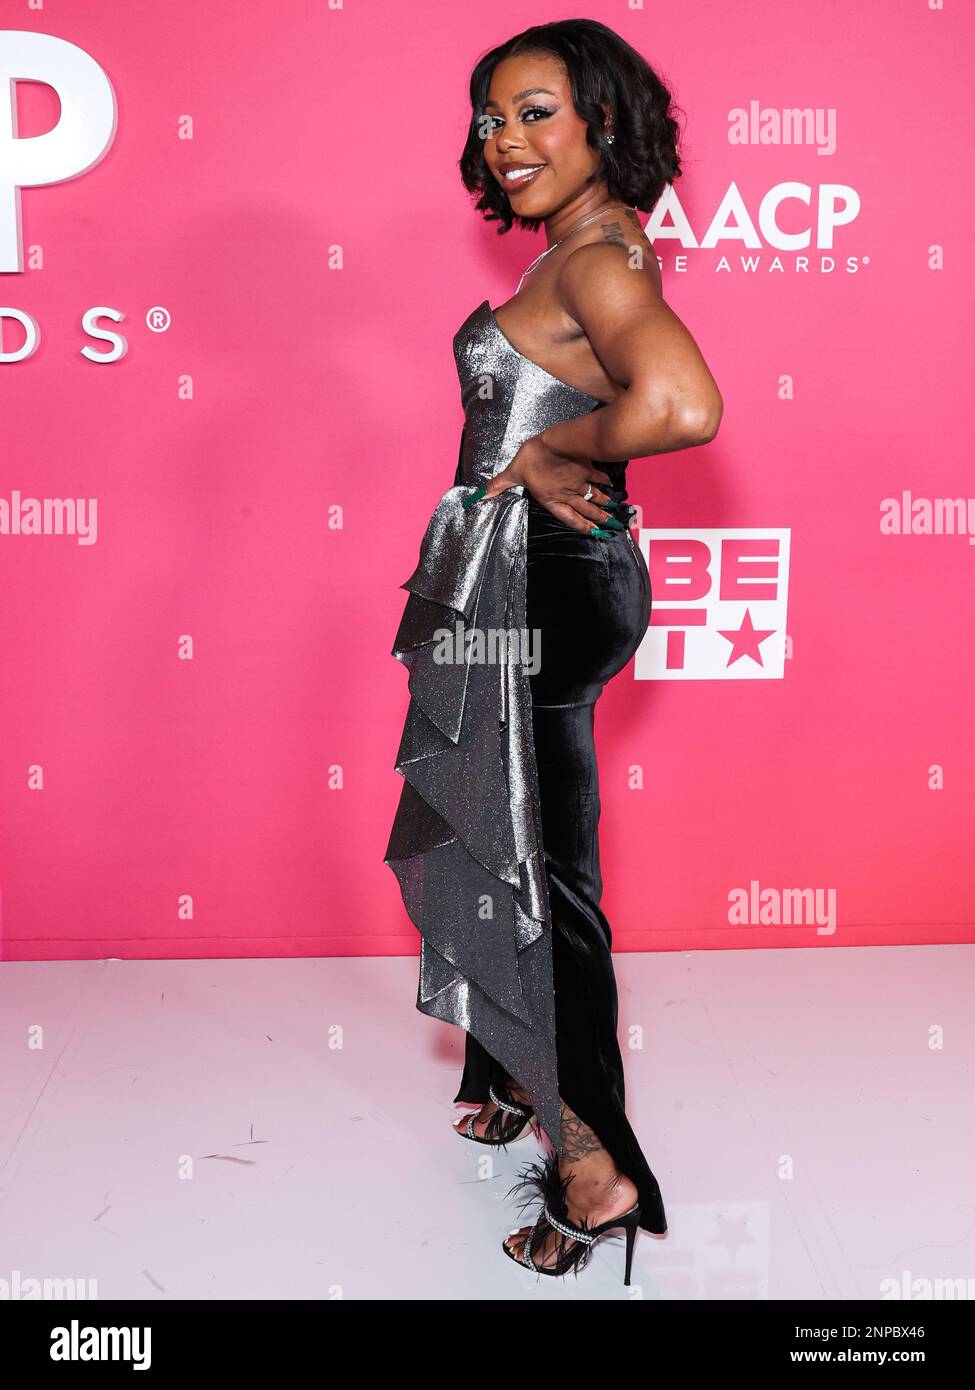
x: 495, y: 841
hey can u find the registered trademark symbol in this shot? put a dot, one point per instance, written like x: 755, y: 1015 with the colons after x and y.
x: 158, y: 319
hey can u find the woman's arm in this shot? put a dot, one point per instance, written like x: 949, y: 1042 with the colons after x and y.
x: 670, y: 400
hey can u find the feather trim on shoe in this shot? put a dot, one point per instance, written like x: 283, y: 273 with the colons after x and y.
x: 544, y: 1184
x: 502, y: 1127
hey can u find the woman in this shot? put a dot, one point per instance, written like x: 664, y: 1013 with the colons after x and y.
x: 495, y: 839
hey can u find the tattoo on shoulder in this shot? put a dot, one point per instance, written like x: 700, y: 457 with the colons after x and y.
x: 613, y: 234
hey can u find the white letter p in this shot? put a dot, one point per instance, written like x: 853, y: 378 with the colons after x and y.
x: 81, y: 137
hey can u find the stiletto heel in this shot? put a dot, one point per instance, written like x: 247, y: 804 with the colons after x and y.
x: 509, y: 1122
x: 545, y: 1183
x: 633, y: 1221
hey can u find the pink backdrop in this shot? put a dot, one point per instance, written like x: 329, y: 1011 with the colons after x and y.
x: 282, y: 189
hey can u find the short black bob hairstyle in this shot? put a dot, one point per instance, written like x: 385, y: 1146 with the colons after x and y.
x: 601, y: 67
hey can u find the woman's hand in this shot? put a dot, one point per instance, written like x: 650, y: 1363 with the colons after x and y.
x: 557, y: 483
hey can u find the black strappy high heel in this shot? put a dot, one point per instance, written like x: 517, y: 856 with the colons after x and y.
x: 545, y: 1183
x: 509, y: 1122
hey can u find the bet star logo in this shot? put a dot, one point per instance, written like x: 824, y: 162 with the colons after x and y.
x: 745, y: 639
x: 719, y: 604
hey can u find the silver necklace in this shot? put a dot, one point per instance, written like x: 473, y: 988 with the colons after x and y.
x: 577, y: 228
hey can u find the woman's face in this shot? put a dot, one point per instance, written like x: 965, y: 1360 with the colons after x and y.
x: 536, y: 134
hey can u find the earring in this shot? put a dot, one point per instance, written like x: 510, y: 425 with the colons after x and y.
x: 610, y: 139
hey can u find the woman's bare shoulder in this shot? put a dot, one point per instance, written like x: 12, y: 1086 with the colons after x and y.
x: 610, y: 264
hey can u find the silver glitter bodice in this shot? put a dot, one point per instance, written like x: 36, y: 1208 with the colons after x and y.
x: 466, y: 841
x: 507, y: 398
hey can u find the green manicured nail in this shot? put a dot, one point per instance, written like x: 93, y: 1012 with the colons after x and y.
x: 603, y: 535
x: 613, y: 523
x: 475, y: 496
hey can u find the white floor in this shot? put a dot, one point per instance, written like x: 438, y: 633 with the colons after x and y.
x: 281, y: 1129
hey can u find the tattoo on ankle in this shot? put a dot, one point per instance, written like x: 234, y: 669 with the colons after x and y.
x: 578, y: 1139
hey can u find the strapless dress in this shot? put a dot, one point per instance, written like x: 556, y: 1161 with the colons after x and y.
x: 494, y: 842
